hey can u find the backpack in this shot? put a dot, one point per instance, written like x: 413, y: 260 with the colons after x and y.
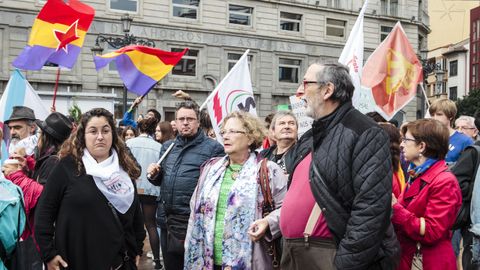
x: 12, y: 221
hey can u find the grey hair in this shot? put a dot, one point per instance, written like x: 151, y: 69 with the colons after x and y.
x: 470, y: 120
x: 281, y: 114
x: 339, y: 76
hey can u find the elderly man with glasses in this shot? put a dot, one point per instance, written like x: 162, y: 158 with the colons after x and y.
x: 177, y: 176
x: 466, y: 125
x: 336, y: 214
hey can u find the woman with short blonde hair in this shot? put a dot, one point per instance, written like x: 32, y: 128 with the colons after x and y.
x: 226, y: 213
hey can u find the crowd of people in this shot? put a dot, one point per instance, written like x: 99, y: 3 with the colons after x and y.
x: 353, y: 192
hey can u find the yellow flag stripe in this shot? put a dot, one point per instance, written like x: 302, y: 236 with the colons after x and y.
x: 43, y: 34
x: 149, y: 65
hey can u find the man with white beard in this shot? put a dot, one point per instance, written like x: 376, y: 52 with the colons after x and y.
x: 22, y: 130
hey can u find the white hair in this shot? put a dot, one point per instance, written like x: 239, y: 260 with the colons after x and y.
x: 470, y: 120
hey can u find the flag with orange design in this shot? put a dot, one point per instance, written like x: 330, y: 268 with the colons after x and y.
x: 393, y: 72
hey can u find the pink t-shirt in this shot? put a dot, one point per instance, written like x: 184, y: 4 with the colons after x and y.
x: 298, y: 204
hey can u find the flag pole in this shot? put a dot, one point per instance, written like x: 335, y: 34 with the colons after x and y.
x: 425, y: 94
x: 226, y: 76
x: 55, y: 89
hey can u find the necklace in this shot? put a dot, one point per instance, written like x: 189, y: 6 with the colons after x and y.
x: 235, y: 171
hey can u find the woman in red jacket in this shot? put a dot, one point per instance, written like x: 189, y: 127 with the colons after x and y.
x: 426, y: 209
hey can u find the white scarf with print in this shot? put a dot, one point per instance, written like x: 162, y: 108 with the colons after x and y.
x: 111, y: 180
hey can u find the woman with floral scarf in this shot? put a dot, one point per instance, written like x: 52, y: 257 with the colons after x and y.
x: 226, y: 229
x: 426, y: 209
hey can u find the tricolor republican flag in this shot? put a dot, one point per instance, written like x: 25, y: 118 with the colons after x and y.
x: 18, y: 92
x: 352, y: 56
x: 57, y: 35
x: 233, y: 93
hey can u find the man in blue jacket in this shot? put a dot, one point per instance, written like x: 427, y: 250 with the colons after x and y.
x: 178, y: 175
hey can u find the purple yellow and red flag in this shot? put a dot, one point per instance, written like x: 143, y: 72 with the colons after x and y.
x: 57, y: 35
x: 140, y: 67
x: 393, y: 72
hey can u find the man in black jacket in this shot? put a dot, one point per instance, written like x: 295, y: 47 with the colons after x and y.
x: 350, y: 177
x: 465, y: 170
x: 178, y: 175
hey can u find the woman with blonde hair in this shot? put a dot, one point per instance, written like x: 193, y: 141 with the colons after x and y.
x: 226, y: 208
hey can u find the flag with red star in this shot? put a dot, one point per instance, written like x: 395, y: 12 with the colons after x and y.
x: 57, y: 35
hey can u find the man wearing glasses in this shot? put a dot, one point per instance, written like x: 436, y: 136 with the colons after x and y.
x: 177, y: 176
x: 466, y: 125
x: 336, y: 214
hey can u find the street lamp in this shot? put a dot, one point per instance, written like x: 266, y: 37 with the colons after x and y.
x: 119, y: 42
x: 428, y: 67
x: 439, y: 80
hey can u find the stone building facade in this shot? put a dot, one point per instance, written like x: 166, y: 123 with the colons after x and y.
x: 283, y: 36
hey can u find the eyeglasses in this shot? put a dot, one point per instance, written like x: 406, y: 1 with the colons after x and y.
x: 465, y: 128
x: 305, y: 83
x: 404, y: 140
x: 188, y: 119
x: 231, y: 131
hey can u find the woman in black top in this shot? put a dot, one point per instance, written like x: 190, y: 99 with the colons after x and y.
x: 88, y: 216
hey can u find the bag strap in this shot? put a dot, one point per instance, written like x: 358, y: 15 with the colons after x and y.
x: 312, y: 220
x: 268, y: 204
x: 119, y: 223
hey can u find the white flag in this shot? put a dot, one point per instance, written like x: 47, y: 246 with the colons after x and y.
x: 233, y: 93
x: 352, y: 56
x: 18, y: 92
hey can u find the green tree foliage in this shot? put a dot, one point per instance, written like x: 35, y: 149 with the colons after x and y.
x: 469, y: 104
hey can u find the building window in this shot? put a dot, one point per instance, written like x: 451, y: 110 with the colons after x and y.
x: 453, y: 93
x: 453, y: 68
x: 240, y: 15
x: 124, y: 5
x: 336, y: 28
x: 232, y: 59
x: 384, y: 31
x: 389, y: 7
x: 334, y: 3
x: 288, y: 70
x: 188, y: 65
x: 185, y: 8
x: 290, y: 21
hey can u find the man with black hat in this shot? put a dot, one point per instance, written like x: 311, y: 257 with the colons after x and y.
x: 22, y: 130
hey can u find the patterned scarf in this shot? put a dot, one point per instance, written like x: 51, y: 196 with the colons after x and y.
x: 111, y: 180
x: 240, y: 213
x: 416, y: 171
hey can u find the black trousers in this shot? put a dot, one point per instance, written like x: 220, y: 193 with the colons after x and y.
x: 467, y: 263
x: 172, y: 260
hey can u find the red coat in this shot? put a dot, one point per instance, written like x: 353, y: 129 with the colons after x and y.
x: 438, y: 202
x: 31, y: 192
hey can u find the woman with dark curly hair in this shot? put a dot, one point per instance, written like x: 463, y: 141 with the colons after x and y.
x: 88, y: 216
